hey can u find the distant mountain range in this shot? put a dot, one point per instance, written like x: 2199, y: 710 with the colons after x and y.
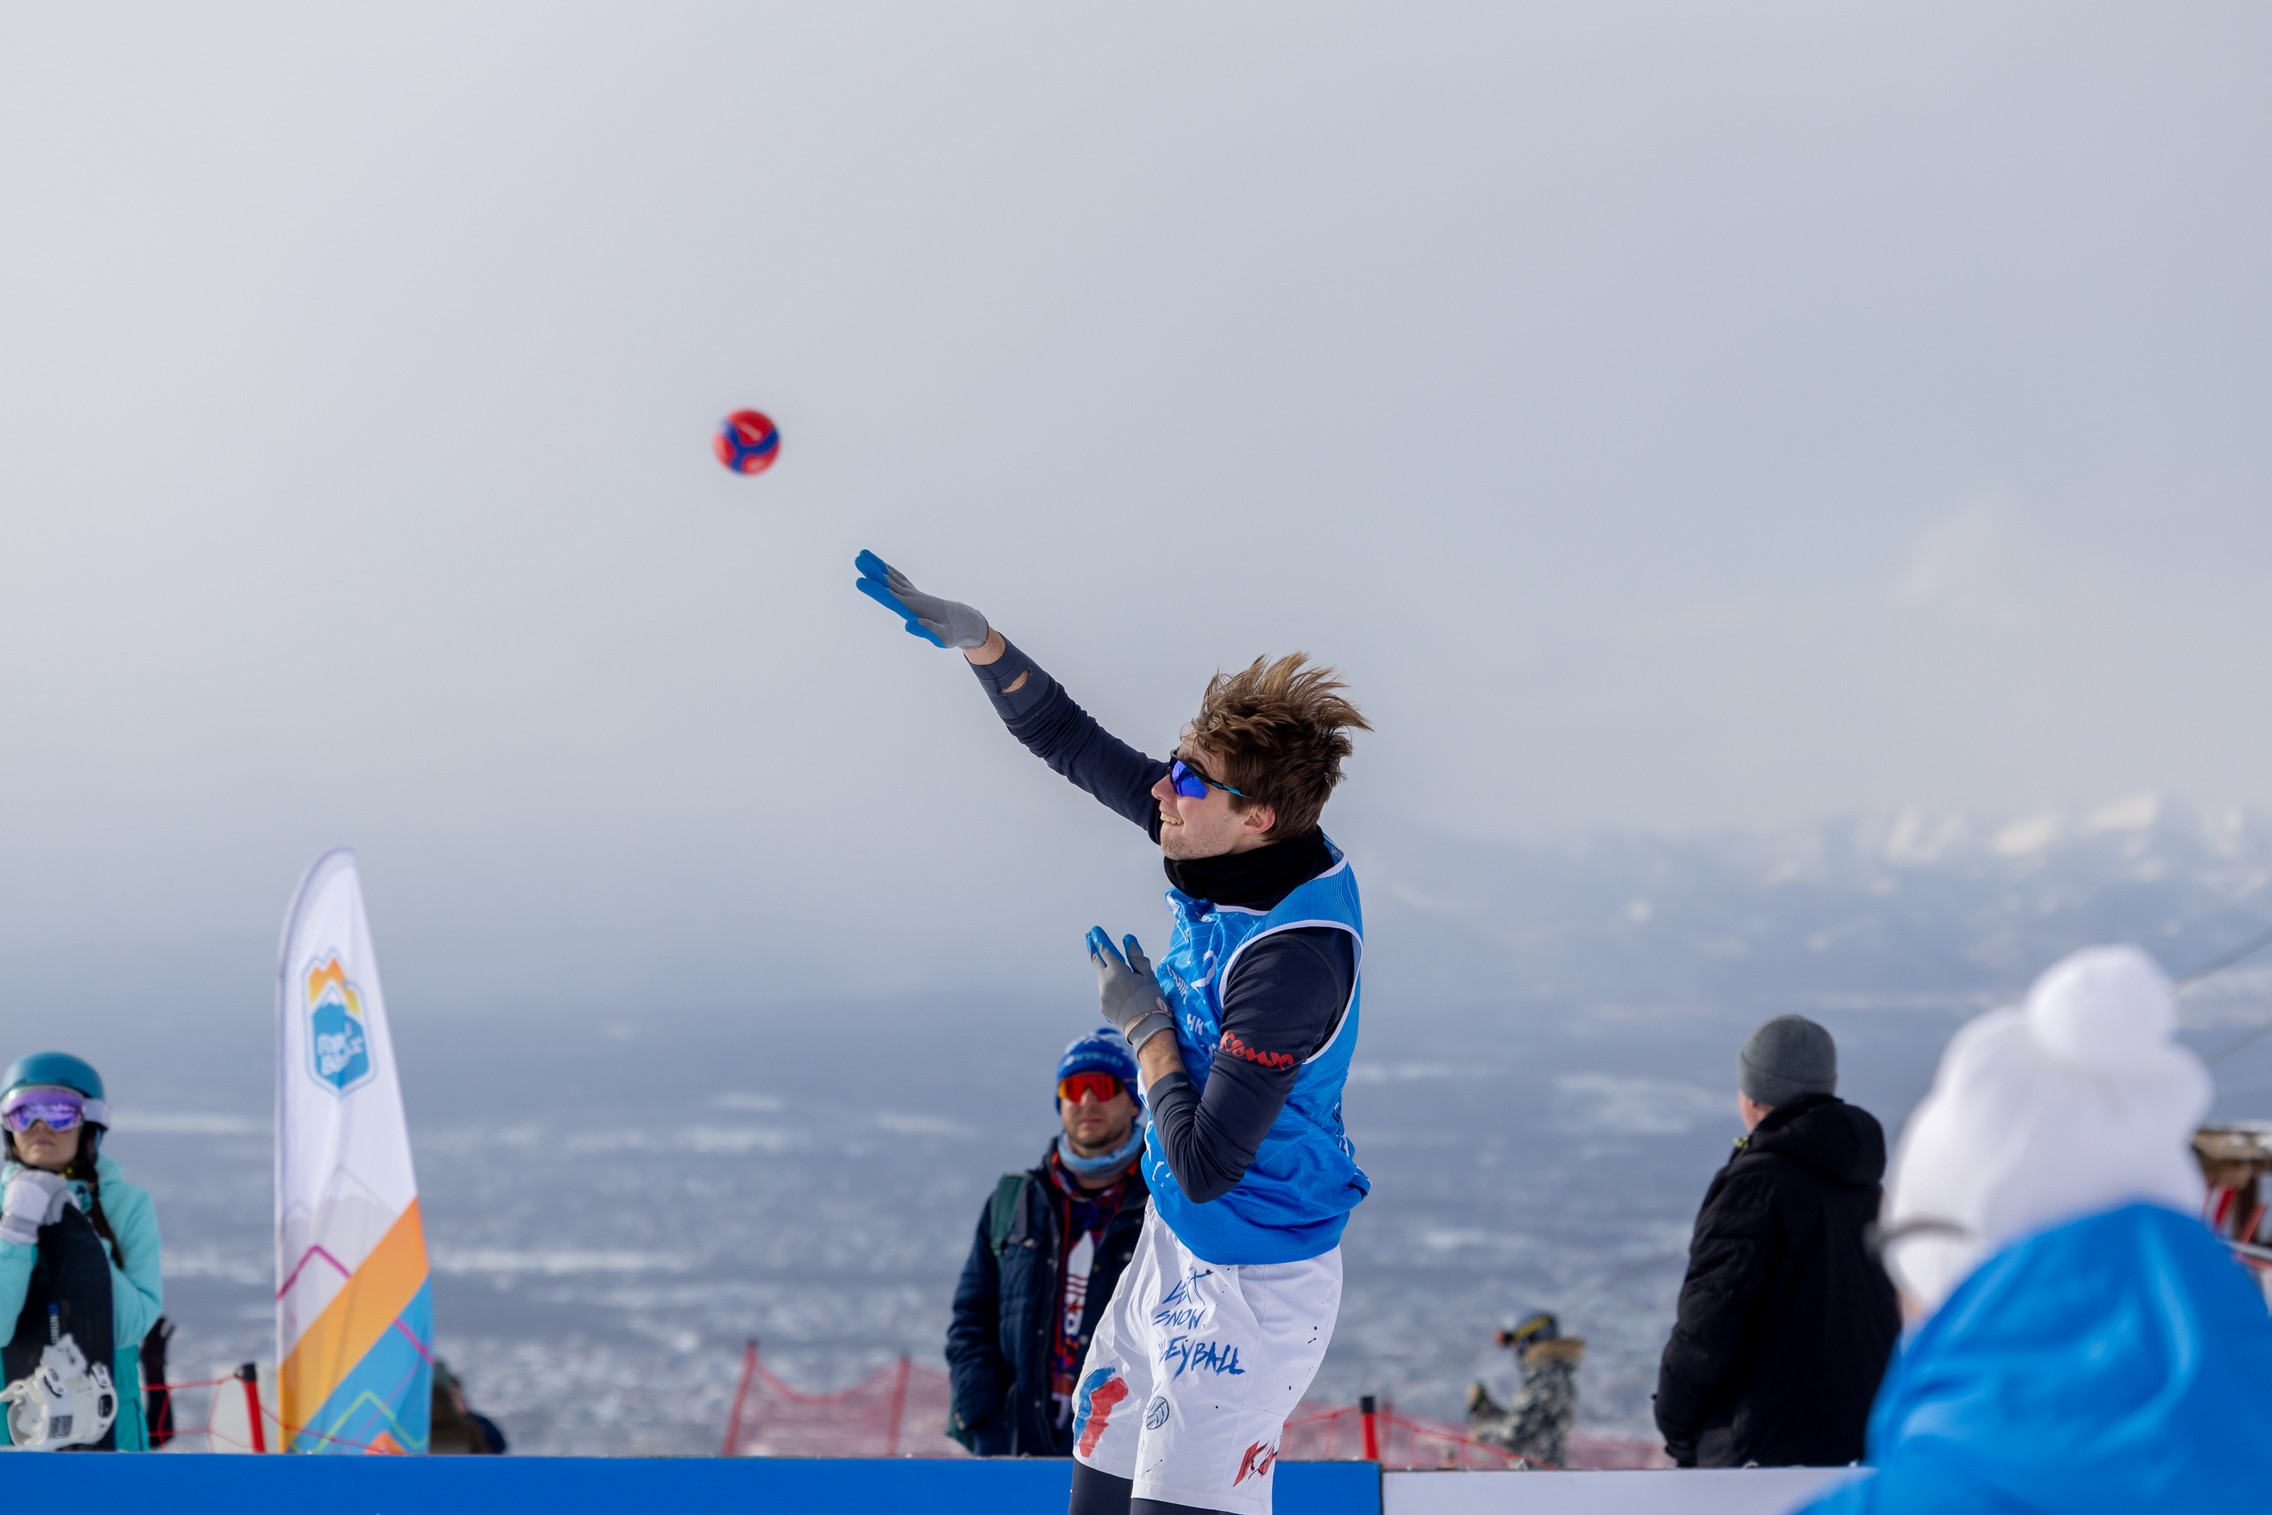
x: 1905, y: 908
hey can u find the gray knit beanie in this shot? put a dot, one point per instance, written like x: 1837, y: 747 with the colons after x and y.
x: 1785, y: 1058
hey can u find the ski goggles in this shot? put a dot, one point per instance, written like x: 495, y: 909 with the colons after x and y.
x: 56, y: 1108
x: 1101, y: 1087
x: 1193, y: 784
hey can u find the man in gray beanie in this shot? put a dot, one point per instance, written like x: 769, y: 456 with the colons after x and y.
x: 1786, y: 1320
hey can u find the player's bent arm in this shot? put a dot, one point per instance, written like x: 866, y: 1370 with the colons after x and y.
x: 1282, y: 1004
x: 1051, y: 726
x: 1160, y: 1058
x: 1031, y: 704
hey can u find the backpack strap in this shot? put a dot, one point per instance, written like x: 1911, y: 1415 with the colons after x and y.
x: 1007, y: 1212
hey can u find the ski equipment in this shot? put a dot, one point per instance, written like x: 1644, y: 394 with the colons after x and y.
x: 58, y: 1070
x: 64, y: 1403
x: 59, y: 1110
x: 58, y: 1361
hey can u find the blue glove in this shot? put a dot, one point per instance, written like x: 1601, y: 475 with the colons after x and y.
x: 942, y: 623
x: 1126, y: 990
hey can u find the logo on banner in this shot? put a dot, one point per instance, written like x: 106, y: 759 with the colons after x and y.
x: 339, y: 1040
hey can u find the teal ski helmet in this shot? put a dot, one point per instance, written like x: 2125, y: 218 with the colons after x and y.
x: 63, y: 1071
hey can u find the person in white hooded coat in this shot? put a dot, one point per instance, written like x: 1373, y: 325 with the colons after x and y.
x: 2079, y: 1340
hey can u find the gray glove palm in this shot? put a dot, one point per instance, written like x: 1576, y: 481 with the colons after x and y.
x: 1126, y: 990
x: 34, y: 1198
x: 943, y: 623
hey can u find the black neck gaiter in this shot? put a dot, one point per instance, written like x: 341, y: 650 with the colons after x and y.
x: 1254, y: 880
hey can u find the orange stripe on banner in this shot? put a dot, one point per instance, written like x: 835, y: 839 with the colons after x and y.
x: 364, y: 1309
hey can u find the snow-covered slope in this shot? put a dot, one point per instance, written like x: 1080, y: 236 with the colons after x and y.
x: 1906, y: 907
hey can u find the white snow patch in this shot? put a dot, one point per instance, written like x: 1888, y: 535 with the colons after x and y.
x: 1917, y: 838
x: 1632, y: 1104
x: 2137, y: 813
x: 922, y: 1125
x: 189, y: 1123
x: 238, y: 1265
x: 2021, y: 838
x: 736, y: 1139
x: 1409, y: 1073
x: 707, y: 1140
x: 556, y: 1263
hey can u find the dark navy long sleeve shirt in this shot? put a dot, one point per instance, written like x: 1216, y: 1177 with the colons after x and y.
x: 1290, y: 989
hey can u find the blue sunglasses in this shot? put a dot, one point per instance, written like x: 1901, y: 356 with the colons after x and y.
x: 1192, y: 784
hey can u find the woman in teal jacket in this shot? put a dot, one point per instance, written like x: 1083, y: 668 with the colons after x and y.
x: 58, y: 1101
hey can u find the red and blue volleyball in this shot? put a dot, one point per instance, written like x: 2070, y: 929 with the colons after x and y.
x: 747, y: 441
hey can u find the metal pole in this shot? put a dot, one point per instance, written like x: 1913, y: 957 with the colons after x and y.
x: 741, y: 1396
x: 898, y: 1410
x: 1368, y: 1417
x: 248, y: 1374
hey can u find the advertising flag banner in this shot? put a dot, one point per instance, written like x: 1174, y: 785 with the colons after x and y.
x: 354, y: 1309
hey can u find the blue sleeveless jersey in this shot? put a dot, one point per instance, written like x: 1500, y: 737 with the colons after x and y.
x: 1297, y: 1195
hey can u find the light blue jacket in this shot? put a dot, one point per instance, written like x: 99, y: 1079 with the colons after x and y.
x: 135, y: 1292
x: 2118, y: 1363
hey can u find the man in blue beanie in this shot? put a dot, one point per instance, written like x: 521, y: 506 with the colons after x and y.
x: 1051, y: 1244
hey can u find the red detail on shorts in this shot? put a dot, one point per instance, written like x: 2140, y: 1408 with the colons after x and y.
x: 1111, y: 1392
x: 1245, y: 1053
x: 1257, y: 1461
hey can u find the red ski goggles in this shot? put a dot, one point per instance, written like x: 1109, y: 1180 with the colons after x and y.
x: 57, y: 1109
x: 1101, y: 1087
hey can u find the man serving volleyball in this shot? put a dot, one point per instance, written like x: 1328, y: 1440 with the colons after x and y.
x: 1243, y: 1032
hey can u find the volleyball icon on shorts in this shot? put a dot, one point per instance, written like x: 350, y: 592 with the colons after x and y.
x: 747, y: 441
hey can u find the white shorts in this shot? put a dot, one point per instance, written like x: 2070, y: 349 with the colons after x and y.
x: 1195, y: 1367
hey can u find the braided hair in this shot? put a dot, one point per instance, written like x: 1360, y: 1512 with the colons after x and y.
x: 81, y: 1169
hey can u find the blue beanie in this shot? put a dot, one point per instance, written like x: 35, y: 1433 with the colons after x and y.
x: 1103, y: 1050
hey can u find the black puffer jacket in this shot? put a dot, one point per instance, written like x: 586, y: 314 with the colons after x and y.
x: 1786, y: 1320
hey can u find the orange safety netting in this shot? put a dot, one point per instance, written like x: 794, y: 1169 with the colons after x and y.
x: 901, y: 1411
x: 1327, y: 1433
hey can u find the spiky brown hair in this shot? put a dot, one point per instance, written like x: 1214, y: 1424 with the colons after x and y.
x: 1279, y: 729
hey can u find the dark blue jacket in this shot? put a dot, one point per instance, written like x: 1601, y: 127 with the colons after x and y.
x: 998, y: 1343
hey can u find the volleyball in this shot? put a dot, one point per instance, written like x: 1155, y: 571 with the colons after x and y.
x: 747, y: 441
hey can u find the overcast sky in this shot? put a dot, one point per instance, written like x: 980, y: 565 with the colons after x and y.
x: 1669, y: 416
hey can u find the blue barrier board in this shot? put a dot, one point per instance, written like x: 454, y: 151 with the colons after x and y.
x: 599, y: 1485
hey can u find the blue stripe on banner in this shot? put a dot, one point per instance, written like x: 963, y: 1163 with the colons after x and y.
x: 386, y: 1401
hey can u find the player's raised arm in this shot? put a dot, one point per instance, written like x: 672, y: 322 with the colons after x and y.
x: 1033, y: 705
